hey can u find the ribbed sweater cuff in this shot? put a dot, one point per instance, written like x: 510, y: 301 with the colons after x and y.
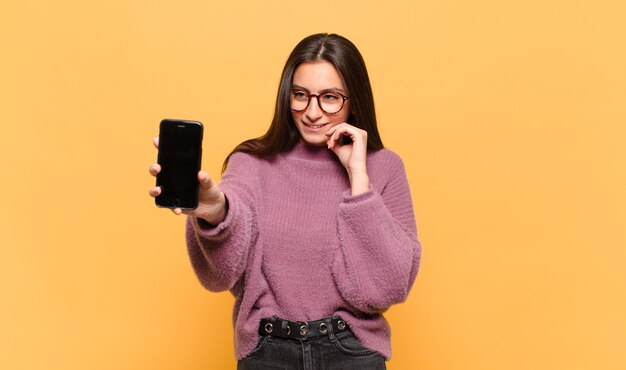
x: 349, y: 198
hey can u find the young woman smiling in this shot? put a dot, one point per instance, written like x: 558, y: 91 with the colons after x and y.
x: 312, y: 227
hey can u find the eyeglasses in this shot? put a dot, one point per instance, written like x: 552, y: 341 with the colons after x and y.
x: 330, y: 102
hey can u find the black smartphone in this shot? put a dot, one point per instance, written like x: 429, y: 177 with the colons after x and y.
x: 180, y: 157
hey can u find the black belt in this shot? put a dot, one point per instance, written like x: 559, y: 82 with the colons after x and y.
x: 276, y: 327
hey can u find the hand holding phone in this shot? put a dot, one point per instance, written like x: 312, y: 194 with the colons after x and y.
x: 206, y: 200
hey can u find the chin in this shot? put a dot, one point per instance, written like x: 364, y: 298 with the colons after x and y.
x: 313, y: 140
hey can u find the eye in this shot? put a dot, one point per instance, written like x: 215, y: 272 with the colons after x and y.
x: 299, y: 95
x: 331, y: 97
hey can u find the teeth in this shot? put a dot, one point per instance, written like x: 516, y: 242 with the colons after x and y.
x: 311, y: 126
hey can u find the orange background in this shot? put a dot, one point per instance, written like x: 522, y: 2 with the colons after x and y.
x: 510, y: 117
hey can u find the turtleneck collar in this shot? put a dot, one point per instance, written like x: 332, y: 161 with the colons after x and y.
x: 312, y: 153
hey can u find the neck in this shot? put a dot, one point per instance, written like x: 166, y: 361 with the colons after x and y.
x: 313, y: 153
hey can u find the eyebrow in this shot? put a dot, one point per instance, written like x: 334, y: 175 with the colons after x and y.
x: 295, y: 86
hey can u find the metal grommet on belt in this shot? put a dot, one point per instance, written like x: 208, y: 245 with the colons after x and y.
x: 304, y: 331
x: 341, y: 324
x: 269, y: 327
x: 323, y: 328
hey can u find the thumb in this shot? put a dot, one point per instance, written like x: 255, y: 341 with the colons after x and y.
x: 205, y: 181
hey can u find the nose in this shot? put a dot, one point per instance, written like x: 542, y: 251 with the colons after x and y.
x: 313, y: 111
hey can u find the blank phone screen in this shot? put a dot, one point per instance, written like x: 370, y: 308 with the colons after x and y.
x: 180, y: 154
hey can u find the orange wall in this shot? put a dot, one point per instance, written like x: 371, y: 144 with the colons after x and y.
x: 510, y: 117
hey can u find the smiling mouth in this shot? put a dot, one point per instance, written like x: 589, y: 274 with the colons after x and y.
x: 315, y: 126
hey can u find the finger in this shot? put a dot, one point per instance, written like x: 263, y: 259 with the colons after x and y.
x: 334, y: 128
x: 334, y: 139
x: 177, y: 211
x: 155, y: 141
x: 155, y: 169
x: 333, y: 131
x: 205, y: 181
x: 340, y: 132
x: 331, y: 142
x: 353, y: 132
x: 155, y: 191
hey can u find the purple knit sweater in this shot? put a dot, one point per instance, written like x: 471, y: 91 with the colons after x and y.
x: 296, y: 244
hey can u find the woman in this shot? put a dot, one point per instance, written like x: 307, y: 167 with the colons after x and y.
x: 312, y: 227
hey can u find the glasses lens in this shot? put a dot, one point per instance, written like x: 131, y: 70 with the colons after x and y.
x: 299, y: 100
x: 331, y: 102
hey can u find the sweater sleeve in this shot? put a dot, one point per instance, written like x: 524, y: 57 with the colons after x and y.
x: 379, y: 252
x: 219, y: 252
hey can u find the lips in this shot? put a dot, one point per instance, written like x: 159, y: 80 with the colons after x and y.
x: 315, y: 127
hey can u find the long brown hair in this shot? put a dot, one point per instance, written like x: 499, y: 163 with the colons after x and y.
x: 282, y: 134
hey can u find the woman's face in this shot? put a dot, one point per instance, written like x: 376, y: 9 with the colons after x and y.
x: 317, y: 78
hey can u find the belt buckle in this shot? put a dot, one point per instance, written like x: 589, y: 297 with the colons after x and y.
x: 304, y: 331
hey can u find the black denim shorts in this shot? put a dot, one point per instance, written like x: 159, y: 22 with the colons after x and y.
x: 341, y: 351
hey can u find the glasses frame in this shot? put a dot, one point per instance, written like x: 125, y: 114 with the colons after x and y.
x: 317, y: 97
